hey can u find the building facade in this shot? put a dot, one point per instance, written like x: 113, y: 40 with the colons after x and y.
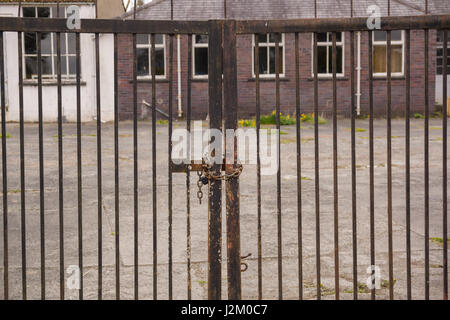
x: 283, y: 9
x: 48, y: 9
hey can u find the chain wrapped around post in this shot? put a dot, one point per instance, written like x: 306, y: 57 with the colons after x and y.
x: 205, y: 177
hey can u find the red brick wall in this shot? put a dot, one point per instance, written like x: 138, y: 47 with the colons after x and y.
x: 246, y: 84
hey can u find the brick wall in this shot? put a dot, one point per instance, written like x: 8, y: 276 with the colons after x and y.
x: 246, y: 84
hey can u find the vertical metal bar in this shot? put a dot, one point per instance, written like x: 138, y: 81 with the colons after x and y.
x: 353, y: 138
x: 316, y: 164
x: 232, y: 186
x: 444, y: 163
x: 188, y: 173
x: 299, y: 169
x: 335, y: 172
x: 79, y: 165
x: 372, y: 162
x: 427, y: 171
x: 170, y: 161
x: 134, y: 9
x: 5, y: 171
x: 279, y: 222
x: 60, y: 168
x: 215, y: 189
x: 389, y: 164
x: 99, y: 167
x: 116, y: 166
x: 22, y: 170
x: 135, y: 174
x: 408, y: 161
x: 41, y: 165
x: 258, y: 165
x: 155, y: 222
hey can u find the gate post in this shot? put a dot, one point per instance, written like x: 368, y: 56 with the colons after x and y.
x: 232, y: 186
x: 215, y: 189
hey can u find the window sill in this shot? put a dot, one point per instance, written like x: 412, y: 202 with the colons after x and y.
x: 150, y: 80
x: 265, y: 79
x: 34, y: 83
x: 199, y: 80
x: 329, y: 79
x: 384, y: 78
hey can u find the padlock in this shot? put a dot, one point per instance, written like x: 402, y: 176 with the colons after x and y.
x: 204, y: 180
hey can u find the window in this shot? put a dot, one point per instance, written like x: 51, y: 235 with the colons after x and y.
x: 325, y: 54
x: 440, y: 54
x: 200, y: 56
x: 48, y: 47
x: 144, y: 59
x: 380, y: 55
x: 267, y: 55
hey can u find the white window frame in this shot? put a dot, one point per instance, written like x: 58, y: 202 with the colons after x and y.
x: 327, y: 44
x: 149, y: 47
x: 194, y: 46
x: 269, y: 45
x: 384, y: 43
x: 54, y: 75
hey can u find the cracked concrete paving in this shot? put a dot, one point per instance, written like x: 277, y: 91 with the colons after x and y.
x: 199, y: 216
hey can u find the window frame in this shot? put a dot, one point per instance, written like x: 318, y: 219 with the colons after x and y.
x: 269, y: 45
x: 54, y: 75
x: 440, y: 46
x: 393, y: 42
x: 328, y: 44
x: 196, y: 45
x: 149, y: 47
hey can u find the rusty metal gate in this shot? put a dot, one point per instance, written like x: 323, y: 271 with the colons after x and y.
x: 223, y: 106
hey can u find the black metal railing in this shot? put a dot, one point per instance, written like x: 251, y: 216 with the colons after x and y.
x: 222, y: 34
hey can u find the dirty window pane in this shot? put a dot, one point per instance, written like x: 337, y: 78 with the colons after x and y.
x: 71, y: 43
x: 29, y: 12
x: 159, y: 39
x: 63, y: 65
x: 43, y: 12
x: 262, y: 38
x: 379, y: 59
x: 143, y: 67
x: 379, y: 35
x: 159, y: 61
x: 322, y: 37
x: 262, y: 60
x: 142, y: 39
x: 338, y: 59
x: 272, y: 60
x: 46, y: 66
x: 396, y: 53
x: 322, y: 59
x: 201, y: 61
x: 201, y: 38
x: 72, y: 65
x: 30, y: 67
x: 46, y: 43
x: 30, y: 43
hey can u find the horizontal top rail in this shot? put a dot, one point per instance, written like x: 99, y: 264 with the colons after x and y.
x: 341, y: 24
x: 242, y: 26
x: 104, y: 26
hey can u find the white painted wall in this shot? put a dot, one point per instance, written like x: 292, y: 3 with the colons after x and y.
x: 439, y: 87
x: 49, y: 90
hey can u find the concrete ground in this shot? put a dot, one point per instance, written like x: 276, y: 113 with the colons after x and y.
x: 199, y: 214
